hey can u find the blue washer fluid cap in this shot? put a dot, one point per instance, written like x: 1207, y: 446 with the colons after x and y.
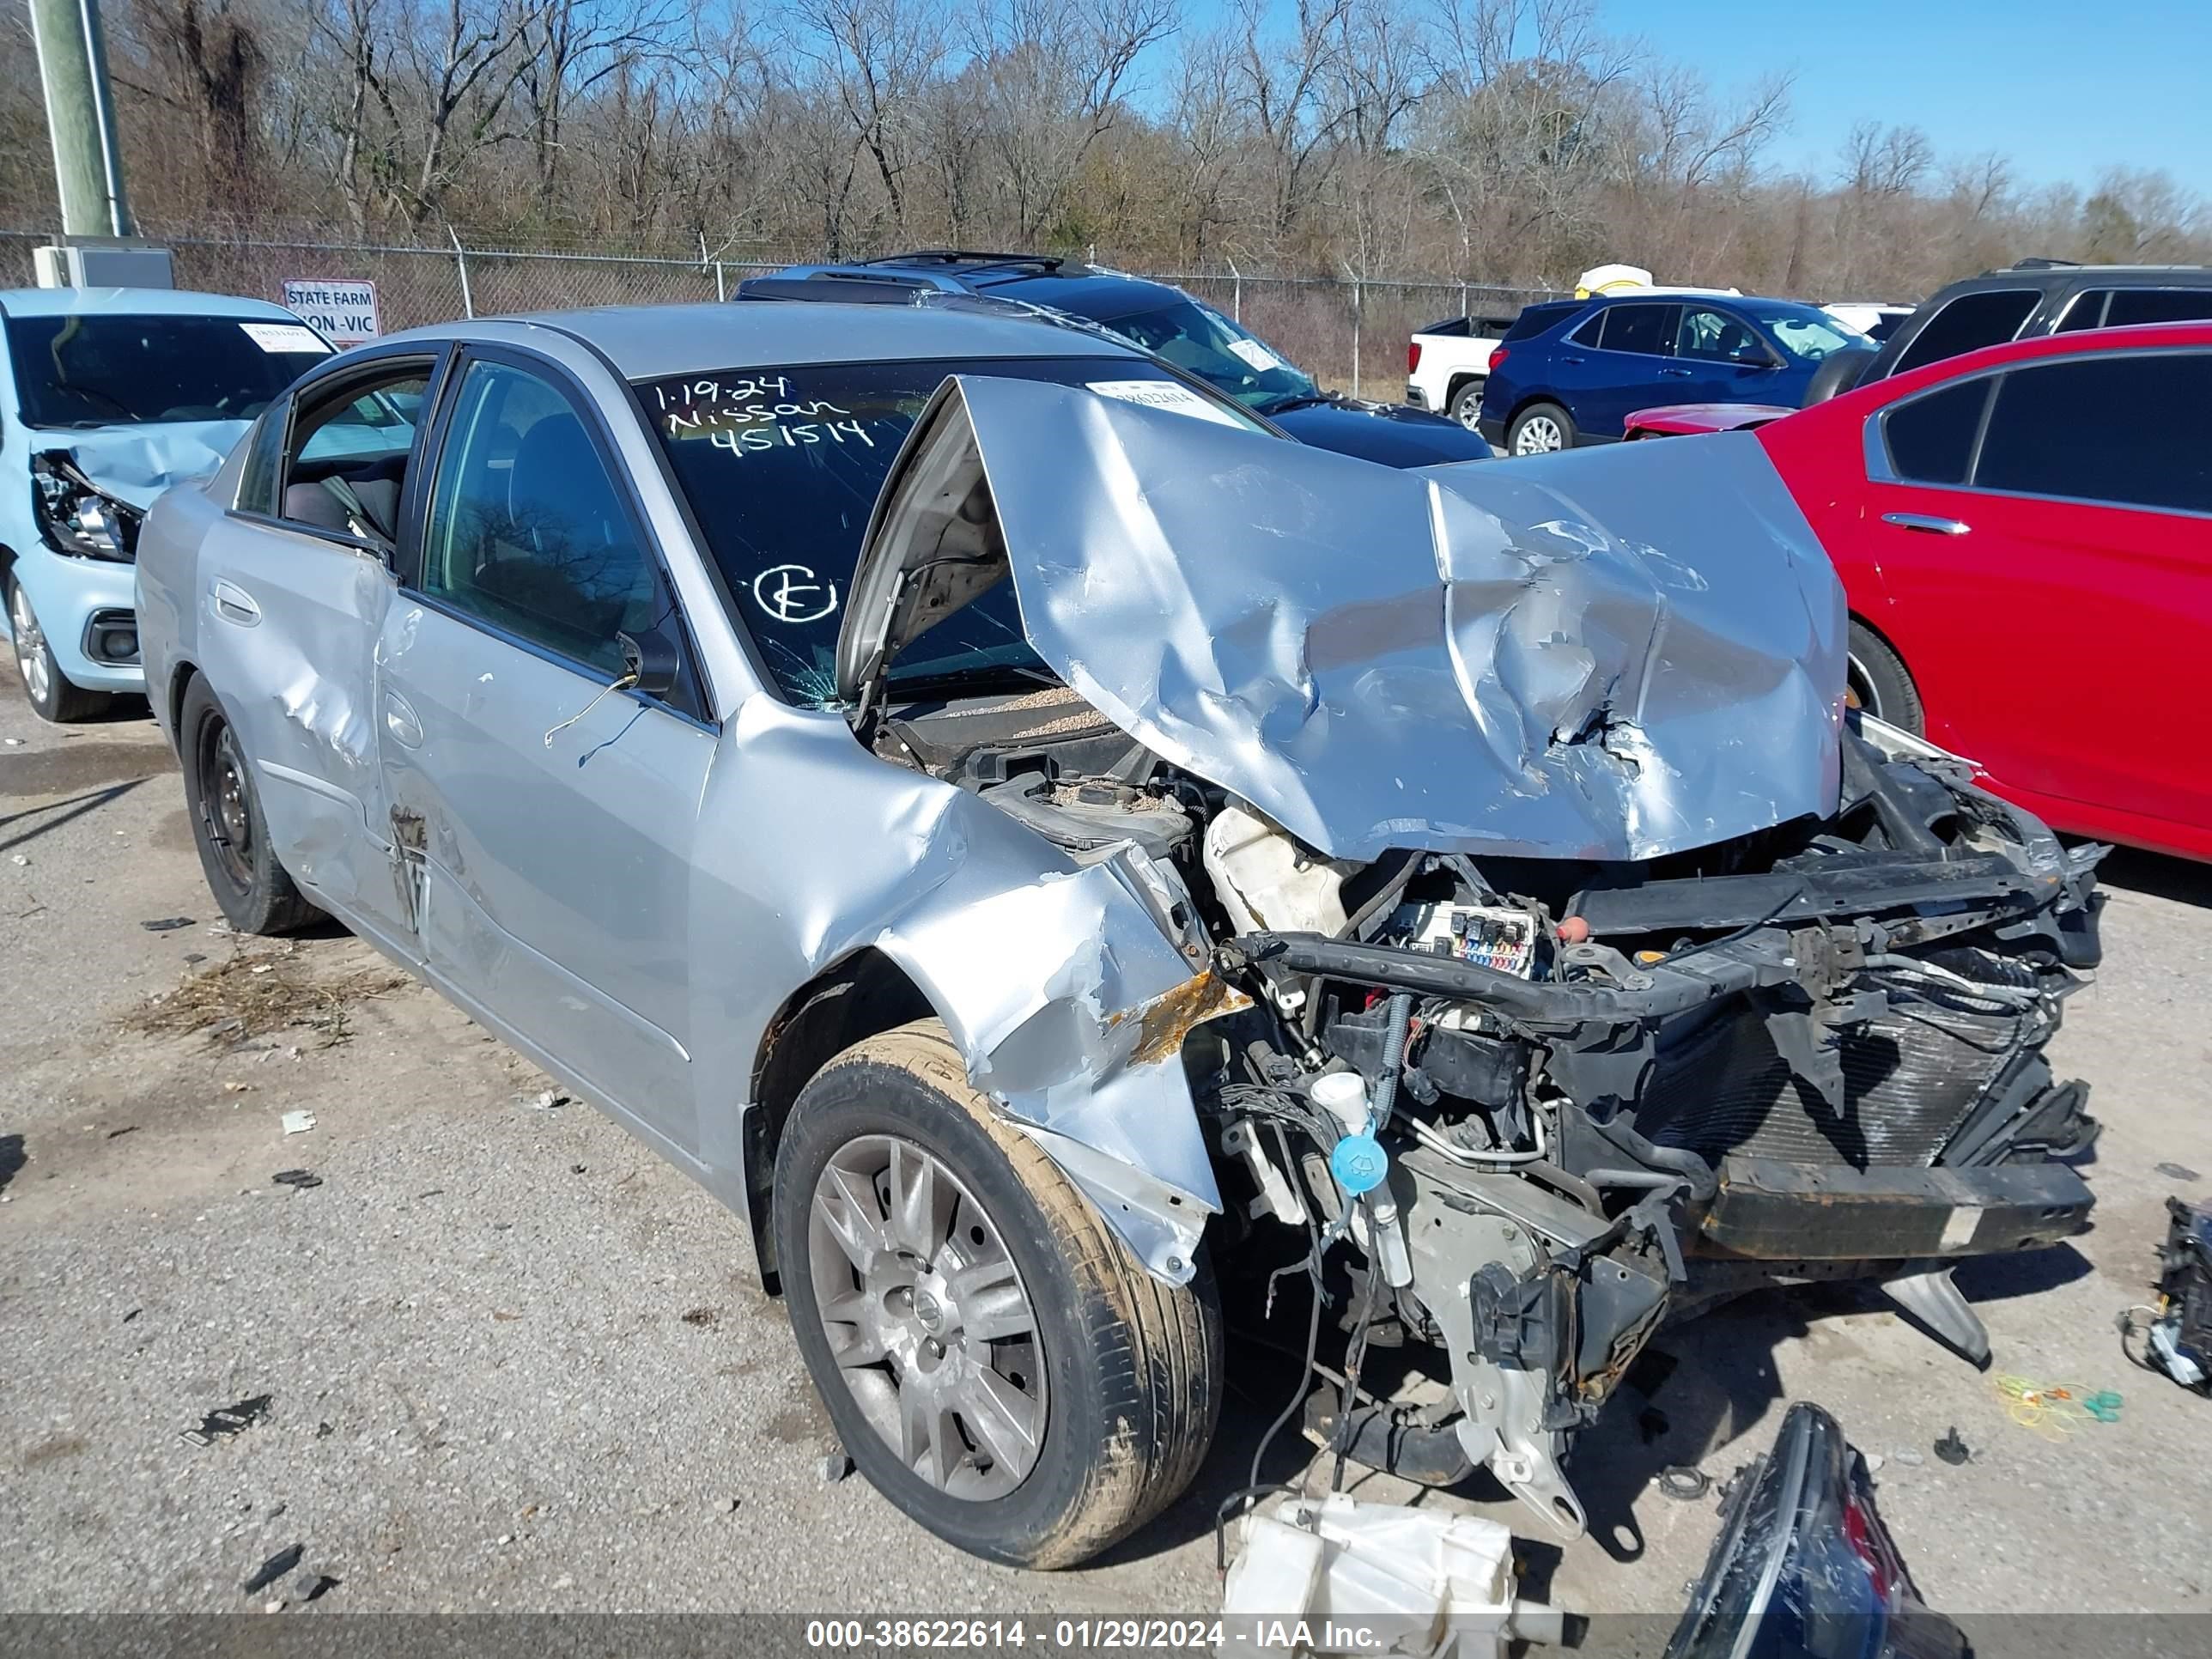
x: 1358, y: 1163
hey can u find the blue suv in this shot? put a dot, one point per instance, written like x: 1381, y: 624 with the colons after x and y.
x: 1184, y: 332
x: 1571, y: 372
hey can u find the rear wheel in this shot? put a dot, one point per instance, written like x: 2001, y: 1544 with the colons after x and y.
x: 1467, y: 405
x: 255, y: 894
x: 1540, y: 429
x: 1877, y: 682
x: 45, y: 687
x: 995, y: 1359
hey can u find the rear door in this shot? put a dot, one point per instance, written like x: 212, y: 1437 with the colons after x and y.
x: 1630, y: 370
x: 295, y: 588
x: 2046, y: 540
x: 547, y: 807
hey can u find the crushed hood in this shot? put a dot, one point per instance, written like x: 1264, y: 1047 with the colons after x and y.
x: 1611, y: 653
x: 134, y: 464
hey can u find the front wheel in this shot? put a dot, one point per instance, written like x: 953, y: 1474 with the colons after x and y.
x: 48, y: 690
x: 1540, y: 429
x: 256, y: 894
x: 1467, y: 405
x: 997, y: 1363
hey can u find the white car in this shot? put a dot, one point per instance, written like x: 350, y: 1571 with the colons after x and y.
x: 1874, y: 320
x: 1446, y: 363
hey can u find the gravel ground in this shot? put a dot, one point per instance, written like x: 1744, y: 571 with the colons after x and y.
x: 511, y: 1361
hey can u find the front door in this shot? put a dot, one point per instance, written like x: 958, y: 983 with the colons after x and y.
x: 547, y: 810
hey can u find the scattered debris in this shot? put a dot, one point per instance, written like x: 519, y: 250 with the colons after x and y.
x: 298, y: 1124
x: 836, y: 1467
x: 251, y: 995
x: 127, y: 1129
x: 1872, y: 1462
x: 132, y: 1314
x: 1909, y: 1458
x: 1951, y: 1449
x: 166, y: 924
x: 543, y: 1101
x: 237, y: 1088
x: 274, y: 1568
x: 575, y: 1169
x: 319, y: 1585
x: 731, y: 1507
x: 300, y: 1178
x: 1684, y: 1484
x: 323, y: 1431
x: 701, y: 1316
x: 505, y: 1318
x: 2177, y: 1329
x: 1335, y: 1566
x: 19, y: 860
x: 14, y: 742
x: 2175, y: 1171
x: 229, y: 1419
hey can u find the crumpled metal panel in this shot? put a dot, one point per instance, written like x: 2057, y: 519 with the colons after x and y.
x: 1611, y: 653
x: 136, y: 463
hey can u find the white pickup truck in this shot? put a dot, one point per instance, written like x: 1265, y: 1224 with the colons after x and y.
x: 1446, y: 362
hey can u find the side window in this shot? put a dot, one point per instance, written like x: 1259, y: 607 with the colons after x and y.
x: 527, y: 531
x: 1714, y: 337
x: 2087, y: 311
x: 2159, y: 305
x: 1968, y: 324
x: 1587, y: 335
x: 345, y: 468
x: 1930, y: 438
x: 1646, y: 328
x: 2050, y: 431
x: 264, y: 461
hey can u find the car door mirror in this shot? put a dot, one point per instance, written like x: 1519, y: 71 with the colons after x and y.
x: 652, y: 662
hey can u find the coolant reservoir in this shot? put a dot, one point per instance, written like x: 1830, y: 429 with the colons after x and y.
x: 1266, y: 882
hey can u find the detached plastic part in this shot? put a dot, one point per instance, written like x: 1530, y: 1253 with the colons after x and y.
x: 1935, y: 1302
x: 1367, y: 1577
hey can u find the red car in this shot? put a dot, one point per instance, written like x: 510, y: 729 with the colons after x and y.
x: 2025, y: 536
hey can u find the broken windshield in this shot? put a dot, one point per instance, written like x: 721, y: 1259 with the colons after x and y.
x: 781, y: 467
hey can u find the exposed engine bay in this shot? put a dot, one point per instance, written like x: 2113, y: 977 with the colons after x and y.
x: 1552, y: 1103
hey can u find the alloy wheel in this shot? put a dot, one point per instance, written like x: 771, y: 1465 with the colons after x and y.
x: 933, y: 1331
x: 1540, y: 434
x: 34, y: 660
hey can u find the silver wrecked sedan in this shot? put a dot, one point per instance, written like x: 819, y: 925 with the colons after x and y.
x: 1046, y: 851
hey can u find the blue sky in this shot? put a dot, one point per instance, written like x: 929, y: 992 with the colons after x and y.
x: 2065, y: 89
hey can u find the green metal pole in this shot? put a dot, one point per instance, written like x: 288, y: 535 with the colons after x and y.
x: 80, y: 117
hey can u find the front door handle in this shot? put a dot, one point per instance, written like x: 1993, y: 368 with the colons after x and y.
x: 1673, y: 374
x: 1927, y: 521
x: 233, y: 603
x: 1566, y: 359
x: 401, y: 721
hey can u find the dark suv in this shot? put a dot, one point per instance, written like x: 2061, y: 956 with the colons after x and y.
x: 1186, y: 333
x: 2038, y: 297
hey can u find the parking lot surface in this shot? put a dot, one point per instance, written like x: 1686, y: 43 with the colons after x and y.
x: 509, y: 1360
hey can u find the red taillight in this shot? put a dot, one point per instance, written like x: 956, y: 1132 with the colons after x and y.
x: 1497, y: 357
x: 1412, y: 357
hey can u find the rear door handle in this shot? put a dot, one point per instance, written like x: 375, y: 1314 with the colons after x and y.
x: 233, y: 603
x: 1573, y: 360
x: 1928, y: 522
x: 401, y: 721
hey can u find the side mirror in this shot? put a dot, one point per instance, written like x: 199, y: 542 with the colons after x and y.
x: 652, y: 662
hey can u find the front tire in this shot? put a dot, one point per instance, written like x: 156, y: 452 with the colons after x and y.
x: 1467, y: 405
x: 255, y: 894
x: 46, y: 687
x: 1540, y: 429
x: 995, y: 1360
x: 1878, y: 682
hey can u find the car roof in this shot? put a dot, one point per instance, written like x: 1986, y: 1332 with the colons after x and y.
x: 646, y: 343
x: 2135, y: 337
x: 134, y: 302
x: 1064, y: 285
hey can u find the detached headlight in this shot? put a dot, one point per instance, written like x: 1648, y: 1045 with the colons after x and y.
x: 76, y: 516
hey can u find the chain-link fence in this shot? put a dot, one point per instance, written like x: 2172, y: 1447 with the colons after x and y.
x: 1349, y: 332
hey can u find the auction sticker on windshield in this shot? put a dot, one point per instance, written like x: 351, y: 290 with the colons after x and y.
x: 1256, y: 355
x: 1175, y: 398
x: 284, y: 337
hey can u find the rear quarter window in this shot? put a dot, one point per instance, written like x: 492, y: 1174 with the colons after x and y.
x: 1534, y: 319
